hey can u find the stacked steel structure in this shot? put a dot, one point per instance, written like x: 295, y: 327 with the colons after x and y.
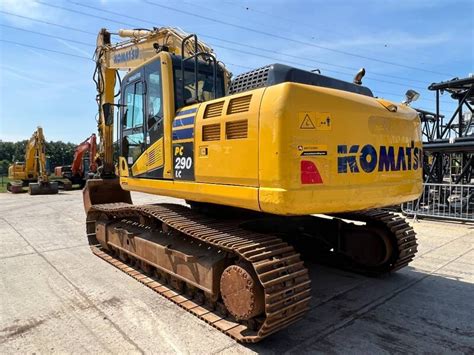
x: 448, y: 165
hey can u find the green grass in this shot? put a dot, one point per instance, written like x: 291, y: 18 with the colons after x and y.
x: 3, y: 183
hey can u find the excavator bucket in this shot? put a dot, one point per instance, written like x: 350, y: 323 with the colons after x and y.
x: 98, y: 191
x: 43, y: 188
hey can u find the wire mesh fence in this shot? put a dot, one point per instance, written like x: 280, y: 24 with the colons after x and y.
x: 445, y: 201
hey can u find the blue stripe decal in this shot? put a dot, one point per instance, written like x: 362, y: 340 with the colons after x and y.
x: 183, y: 133
x: 185, y: 112
x: 183, y: 121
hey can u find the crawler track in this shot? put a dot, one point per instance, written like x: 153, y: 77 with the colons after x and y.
x: 278, y: 267
x: 402, y: 234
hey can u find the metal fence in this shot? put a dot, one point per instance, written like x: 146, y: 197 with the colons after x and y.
x: 3, y: 180
x: 445, y: 201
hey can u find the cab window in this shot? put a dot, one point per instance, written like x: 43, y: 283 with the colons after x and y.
x: 205, y: 90
x: 134, y: 105
x: 132, y: 122
x: 154, y: 110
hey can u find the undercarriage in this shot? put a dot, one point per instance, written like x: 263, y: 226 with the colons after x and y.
x: 242, y: 272
x: 34, y: 188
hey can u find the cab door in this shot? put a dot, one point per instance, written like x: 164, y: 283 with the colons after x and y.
x: 132, y: 138
x: 154, y: 121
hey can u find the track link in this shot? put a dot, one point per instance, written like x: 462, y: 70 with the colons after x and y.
x: 278, y: 267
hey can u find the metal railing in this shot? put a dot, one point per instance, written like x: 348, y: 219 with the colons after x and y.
x: 444, y: 201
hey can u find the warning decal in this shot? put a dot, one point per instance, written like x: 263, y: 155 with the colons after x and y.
x: 307, y: 122
x: 320, y: 121
x: 323, y: 121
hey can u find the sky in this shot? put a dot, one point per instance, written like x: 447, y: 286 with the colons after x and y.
x: 46, y: 48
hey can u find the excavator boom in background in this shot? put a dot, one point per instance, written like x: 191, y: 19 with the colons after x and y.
x: 255, y: 158
x: 32, y: 172
x: 83, y: 166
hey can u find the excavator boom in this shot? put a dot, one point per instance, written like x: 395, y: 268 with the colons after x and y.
x: 81, y: 169
x: 89, y: 145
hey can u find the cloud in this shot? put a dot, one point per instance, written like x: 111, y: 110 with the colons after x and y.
x: 75, y: 48
x: 27, y: 8
x: 106, y: 2
x: 19, y: 74
x: 393, y: 39
x: 394, y: 46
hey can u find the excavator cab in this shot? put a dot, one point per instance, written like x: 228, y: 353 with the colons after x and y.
x: 151, y: 96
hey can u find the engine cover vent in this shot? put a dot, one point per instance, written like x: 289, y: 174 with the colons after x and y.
x: 211, y: 132
x: 251, y: 80
x: 239, y: 104
x: 214, y: 109
x: 236, y: 129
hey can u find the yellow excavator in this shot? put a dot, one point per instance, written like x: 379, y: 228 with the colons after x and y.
x: 32, y: 172
x: 258, y: 159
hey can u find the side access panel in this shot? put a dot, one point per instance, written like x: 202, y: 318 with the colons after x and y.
x: 226, y: 140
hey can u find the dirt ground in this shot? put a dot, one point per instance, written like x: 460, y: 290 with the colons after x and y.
x: 56, y: 296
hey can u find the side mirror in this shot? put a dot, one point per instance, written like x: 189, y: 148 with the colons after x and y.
x: 108, y: 111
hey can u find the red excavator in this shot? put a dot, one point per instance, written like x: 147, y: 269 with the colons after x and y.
x: 83, y: 165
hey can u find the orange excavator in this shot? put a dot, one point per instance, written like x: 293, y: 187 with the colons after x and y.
x: 83, y: 166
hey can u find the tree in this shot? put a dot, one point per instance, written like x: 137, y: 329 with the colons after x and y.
x: 59, y: 153
x: 4, y: 167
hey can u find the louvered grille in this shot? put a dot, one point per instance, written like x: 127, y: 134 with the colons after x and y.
x: 247, y: 81
x: 154, y: 156
x: 214, y: 109
x: 151, y: 157
x: 240, y: 104
x: 211, y: 132
x: 236, y: 129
